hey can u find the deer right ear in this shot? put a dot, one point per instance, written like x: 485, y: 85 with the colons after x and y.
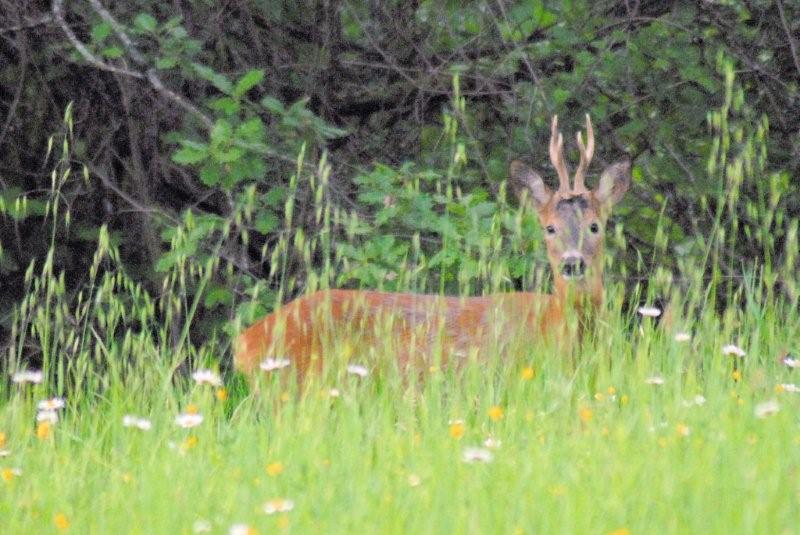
x: 523, y: 178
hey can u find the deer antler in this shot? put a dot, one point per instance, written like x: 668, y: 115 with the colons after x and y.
x: 557, y: 155
x: 587, y: 152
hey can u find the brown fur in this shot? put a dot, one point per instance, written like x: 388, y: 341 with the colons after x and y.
x: 422, y: 330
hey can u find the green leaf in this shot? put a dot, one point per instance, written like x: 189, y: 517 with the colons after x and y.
x: 146, y: 22
x: 210, y: 174
x: 247, y: 82
x: 222, y: 132
x: 189, y: 156
x: 266, y: 222
x: 100, y: 32
x: 227, y: 156
x: 166, y: 62
x: 112, y: 52
x: 218, y: 295
x: 220, y: 81
x: 274, y: 105
x: 226, y: 105
x: 251, y: 130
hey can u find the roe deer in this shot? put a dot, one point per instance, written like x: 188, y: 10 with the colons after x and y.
x: 428, y: 329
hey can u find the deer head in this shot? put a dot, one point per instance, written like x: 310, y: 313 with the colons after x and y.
x: 573, y: 218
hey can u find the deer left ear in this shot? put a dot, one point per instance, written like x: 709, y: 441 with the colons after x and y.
x: 614, y: 182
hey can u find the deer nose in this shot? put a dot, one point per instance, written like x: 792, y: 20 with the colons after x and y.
x: 573, y: 267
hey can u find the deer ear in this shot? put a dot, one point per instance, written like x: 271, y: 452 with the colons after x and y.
x: 523, y: 178
x: 614, y: 182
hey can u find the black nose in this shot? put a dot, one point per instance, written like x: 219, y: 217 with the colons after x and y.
x: 573, y: 266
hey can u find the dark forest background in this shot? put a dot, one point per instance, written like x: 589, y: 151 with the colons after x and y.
x: 189, y: 129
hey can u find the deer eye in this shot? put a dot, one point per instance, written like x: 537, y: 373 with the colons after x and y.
x: 594, y: 228
x: 550, y: 229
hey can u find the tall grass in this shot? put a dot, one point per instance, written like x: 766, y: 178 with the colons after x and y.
x: 646, y: 432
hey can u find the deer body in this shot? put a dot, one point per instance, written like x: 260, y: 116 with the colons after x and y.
x: 423, y: 330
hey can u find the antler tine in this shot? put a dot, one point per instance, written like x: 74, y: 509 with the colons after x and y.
x: 587, y: 151
x: 557, y: 155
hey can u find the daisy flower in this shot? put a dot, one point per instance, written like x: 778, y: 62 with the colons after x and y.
x: 733, y: 351
x: 789, y: 387
x: 767, y: 408
x: 271, y: 364
x: 654, y: 380
x: 189, y: 419
x: 698, y: 400
x: 134, y: 421
x: 48, y: 416
x: 649, y: 312
x: 51, y: 404
x: 278, y: 505
x: 201, y: 526
x: 790, y: 361
x: 357, y: 369
x: 28, y: 376
x: 206, y: 377
x: 242, y: 529
x: 492, y: 443
x: 477, y: 455
x: 682, y: 337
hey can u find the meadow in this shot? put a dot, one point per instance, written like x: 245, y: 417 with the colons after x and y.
x: 685, y: 426
x: 118, y: 417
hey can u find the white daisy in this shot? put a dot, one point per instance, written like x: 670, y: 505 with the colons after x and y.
x: 357, y: 369
x: 134, y: 421
x: 28, y: 376
x: 278, y: 505
x: 698, y: 400
x: 334, y: 393
x: 649, y: 312
x: 4, y: 453
x: 790, y: 361
x: 767, y: 408
x: 206, y: 377
x: 682, y: 337
x: 272, y: 364
x: 790, y: 387
x: 241, y: 529
x: 201, y: 526
x: 492, y: 443
x: 188, y: 419
x: 733, y: 351
x: 477, y: 455
x: 51, y: 404
x: 654, y: 380
x: 47, y: 416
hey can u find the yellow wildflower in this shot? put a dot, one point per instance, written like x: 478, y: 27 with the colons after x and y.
x: 457, y: 429
x: 8, y: 474
x: 274, y: 469
x: 222, y: 394
x: 496, y: 413
x: 528, y: 373
x: 585, y: 414
x: 61, y: 522
x: 737, y: 375
x: 44, y: 430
